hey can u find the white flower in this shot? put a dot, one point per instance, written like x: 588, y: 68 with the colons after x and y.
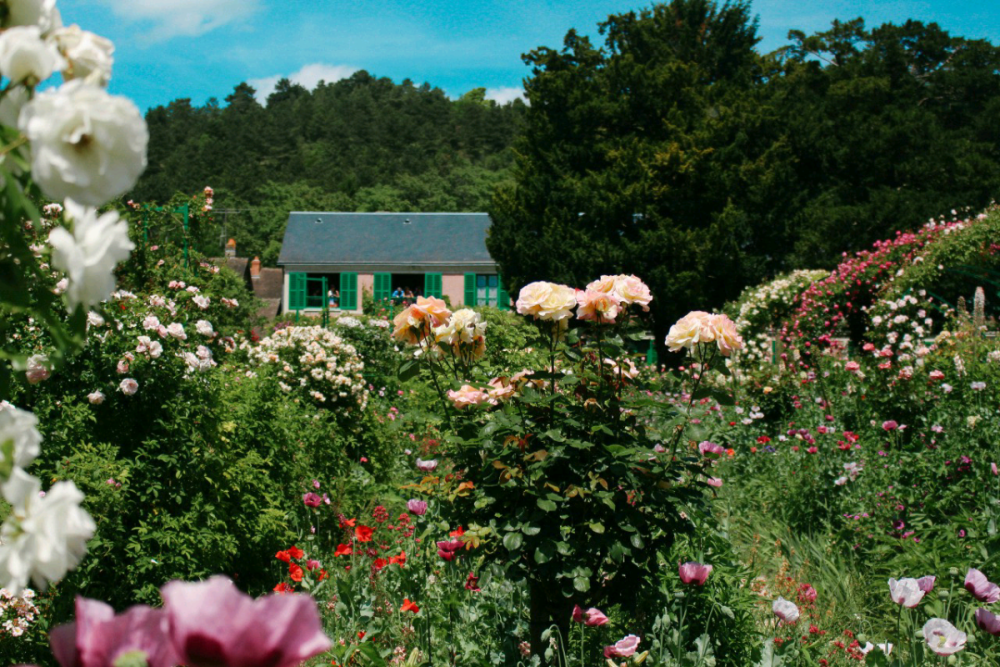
x: 785, y: 610
x: 204, y: 327
x: 88, y: 56
x: 25, y: 57
x: 61, y: 286
x: 44, y: 537
x: 942, y: 637
x: 89, y: 254
x: 86, y: 145
x: 155, y: 349
x: 129, y: 386
x: 201, y: 301
x: 18, y: 427
x: 94, y: 320
x: 41, y: 13
x: 95, y: 397
x: 151, y: 322
x: 906, y: 592
x: 177, y: 331
x: 38, y: 368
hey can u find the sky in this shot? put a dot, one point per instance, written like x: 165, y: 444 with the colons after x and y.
x: 199, y: 49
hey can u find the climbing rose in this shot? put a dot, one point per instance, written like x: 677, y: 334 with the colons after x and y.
x: 88, y: 56
x: 25, y: 57
x: 88, y: 255
x: 466, y: 396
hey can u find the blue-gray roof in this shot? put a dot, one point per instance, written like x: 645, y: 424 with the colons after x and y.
x: 385, y: 239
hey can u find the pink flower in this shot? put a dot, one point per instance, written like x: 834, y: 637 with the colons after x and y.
x: 852, y: 367
x: 623, y: 648
x: 890, y: 425
x: 38, y: 369
x: 714, y: 481
x: 592, y: 618
x: 982, y: 588
x: 426, y: 466
x: 906, y: 592
x: 97, y: 638
x: 706, y: 447
x: 993, y: 467
x: 211, y: 623
x: 312, y: 500
x: 418, y: 507
x: 988, y: 621
x: 129, y: 386
x: 926, y: 584
x: 694, y: 573
x: 315, y: 483
x: 447, y: 550
x: 786, y: 610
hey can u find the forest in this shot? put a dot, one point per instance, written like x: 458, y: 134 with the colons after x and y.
x: 675, y: 137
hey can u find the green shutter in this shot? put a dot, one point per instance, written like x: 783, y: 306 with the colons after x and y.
x: 383, y: 287
x: 470, y: 290
x: 652, y: 359
x: 503, y: 299
x: 348, y: 291
x: 432, y: 284
x: 296, y: 291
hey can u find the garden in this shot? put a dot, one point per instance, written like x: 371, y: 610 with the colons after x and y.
x: 811, y: 479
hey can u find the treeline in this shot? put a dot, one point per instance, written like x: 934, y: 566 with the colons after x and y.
x: 362, y: 143
x: 678, y: 152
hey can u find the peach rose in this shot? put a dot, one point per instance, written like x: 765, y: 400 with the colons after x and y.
x: 546, y: 301
x: 414, y: 323
x: 500, y: 390
x: 431, y: 309
x: 632, y: 290
x: 466, y: 396
x: 726, y: 336
x: 693, y: 328
x: 598, y: 306
x: 605, y: 284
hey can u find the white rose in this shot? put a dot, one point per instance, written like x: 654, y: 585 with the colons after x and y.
x: 41, y: 13
x: 693, y: 328
x: 95, y: 397
x: 151, y: 322
x: 45, y: 536
x: 155, y: 349
x: 546, y: 301
x: 86, y: 145
x: 19, y: 428
x: 89, y: 254
x: 94, y: 319
x: 88, y: 56
x: 204, y: 327
x: 201, y: 301
x: 129, y: 386
x: 38, y: 368
x: 25, y: 57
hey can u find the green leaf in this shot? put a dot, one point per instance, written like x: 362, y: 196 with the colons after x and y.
x: 597, y: 527
x: 528, y: 529
x: 637, y: 541
x: 541, y: 558
x: 581, y: 584
x: 409, y: 369
x: 546, y: 505
x: 513, y: 541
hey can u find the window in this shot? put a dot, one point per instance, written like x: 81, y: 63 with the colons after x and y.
x: 485, y: 289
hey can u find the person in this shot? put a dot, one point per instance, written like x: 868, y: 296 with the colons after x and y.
x: 409, y: 294
x: 329, y: 299
x: 397, y: 295
x: 335, y: 301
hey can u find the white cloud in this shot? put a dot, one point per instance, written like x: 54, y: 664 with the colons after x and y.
x: 187, y: 18
x: 505, y: 95
x: 309, y: 76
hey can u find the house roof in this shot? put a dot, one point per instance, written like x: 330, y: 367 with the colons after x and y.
x: 269, y: 284
x: 385, y: 239
x: 237, y: 264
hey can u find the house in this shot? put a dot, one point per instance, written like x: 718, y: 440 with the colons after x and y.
x: 333, y: 259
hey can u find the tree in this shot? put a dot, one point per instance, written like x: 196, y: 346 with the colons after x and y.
x: 650, y: 156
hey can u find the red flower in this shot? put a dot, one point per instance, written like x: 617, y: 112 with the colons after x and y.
x: 296, y: 553
x: 399, y: 560
x: 284, y: 556
x: 763, y: 440
x: 409, y: 606
x: 343, y: 550
x: 458, y: 532
x: 404, y: 518
x: 347, y: 523
x: 363, y: 533
x: 322, y: 575
x: 380, y: 563
x: 361, y: 634
x: 295, y: 572
x: 283, y: 588
x: 472, y: 582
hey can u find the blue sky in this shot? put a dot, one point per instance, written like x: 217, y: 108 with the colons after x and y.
x: 166, y: 49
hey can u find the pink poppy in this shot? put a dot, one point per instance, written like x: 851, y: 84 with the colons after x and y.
x: 890, y: 425
x: 418, y: 507
x: 707, y: 448
x: 694, y: 573
x: 926, y: 584
x: 98, y: 637
x: 988, y: 621
x: 982, y: 588
x: 448, y: 550
x: 623, y: 648
x: 312, y: 500
x: 211, y: 623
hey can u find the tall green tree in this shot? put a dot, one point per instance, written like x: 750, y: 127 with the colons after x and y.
x: 651, y: 155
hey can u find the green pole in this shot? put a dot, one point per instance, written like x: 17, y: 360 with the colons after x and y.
x: 186, y: 209
x: 145, y: 225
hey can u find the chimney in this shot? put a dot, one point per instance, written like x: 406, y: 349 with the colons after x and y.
x: 231, y: 248
x: 255, y: 269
